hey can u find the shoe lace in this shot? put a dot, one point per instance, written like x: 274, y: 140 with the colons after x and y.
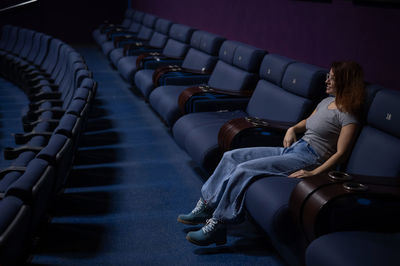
x: 210, y: 225
x: 199, y: 207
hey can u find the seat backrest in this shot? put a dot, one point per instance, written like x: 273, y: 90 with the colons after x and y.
x: 22, y: 34
x: 160, y: 35
x: 287, y: 91
x: 12, y: 38
x: 237, y: 67
x: 203, y: 53
x: 28, y: 44
x: 128, y: 18
x: 178, y: 42
x: 5, y: 32
x: 41, y: 48
x: 136, y: 22
x: 377, y: 149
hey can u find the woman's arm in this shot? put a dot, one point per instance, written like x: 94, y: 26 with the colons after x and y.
x: 345, y: 142
x: 290, y: 136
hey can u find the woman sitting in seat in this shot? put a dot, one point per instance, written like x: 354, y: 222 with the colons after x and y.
x: 329, y: 133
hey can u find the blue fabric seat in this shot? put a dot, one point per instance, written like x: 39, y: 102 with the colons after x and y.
x: 234, y: 71
x: 155, y: 44
x: 198, y: 64
x: 144, y: 34
x: 354, y: 248
x: 100, y: 34
x: 15, y: 222
x: 176, y: 47
x: 133, y: 28
x: 372, y: 155
x: 286, y: 92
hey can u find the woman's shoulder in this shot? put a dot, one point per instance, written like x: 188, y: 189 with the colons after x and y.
x: 326, y: 101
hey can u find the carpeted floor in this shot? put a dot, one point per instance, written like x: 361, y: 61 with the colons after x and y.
x: 129, y: 183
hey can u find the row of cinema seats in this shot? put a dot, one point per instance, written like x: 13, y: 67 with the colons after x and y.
x: 60, y: 89
x: 217, y: 94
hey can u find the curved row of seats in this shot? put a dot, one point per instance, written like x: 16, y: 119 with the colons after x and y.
x: 60, y: 89
x: 217, y: 94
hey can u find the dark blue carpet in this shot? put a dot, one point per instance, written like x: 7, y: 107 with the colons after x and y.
x: 129, y: 183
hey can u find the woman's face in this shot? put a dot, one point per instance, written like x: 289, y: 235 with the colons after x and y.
x: 330, y: 83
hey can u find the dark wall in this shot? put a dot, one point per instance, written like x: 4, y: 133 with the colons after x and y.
x: 70, y: 20
x: 308, y: 31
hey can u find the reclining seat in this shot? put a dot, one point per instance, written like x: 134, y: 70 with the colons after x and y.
x: 373, y: 154
x: 99, y: 34
x: 195, y: 69
x: 234, y: 71
x: 176, y: 47
x: 155, y: 44
x: 133, y: 28
x: 119, y: 38
x: 285, y: 94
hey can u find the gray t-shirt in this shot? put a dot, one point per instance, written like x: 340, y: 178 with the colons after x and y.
x: 323, y: 128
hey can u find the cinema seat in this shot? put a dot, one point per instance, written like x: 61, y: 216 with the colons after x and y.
x: 285, y: 94
x: 373, y: 155
x: 173, y: 53
x: 234, y: 71
x: 100, y: 34
x: 155, y: 44
x: 118, y: 38
x: 195, y: 69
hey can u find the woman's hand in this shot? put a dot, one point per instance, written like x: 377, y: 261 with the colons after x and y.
x: 290, y: 138
x: 301, y: 174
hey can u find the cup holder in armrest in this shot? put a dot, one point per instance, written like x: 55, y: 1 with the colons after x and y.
x: 354, y: 186
x: 339, y: 176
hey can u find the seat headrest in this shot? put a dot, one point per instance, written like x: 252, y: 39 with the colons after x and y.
x: 206, y: 42
x: 227, y: 51
x: 305, y: 80
x: 181, y: 33
x: 138, y: 16
x: 241, y: 55
x: 149, y: 20
x: 129, y: 13
x: 163, y: 26
x: 273, y: 68
x: 248, y: 57
x: 384, y: 112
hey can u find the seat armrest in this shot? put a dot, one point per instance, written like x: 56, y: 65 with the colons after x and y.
x: 128, y: 38
x: 24, y: 138
x: 12, y: 153
x: 54, y: 102
x: 154, y: 56
x: 45, y: 95
x: 187, y: 94
x: 9, y: 169
x: 251, y: 131
x: 28, y: 127
x: 159, y: 72
x: 336, y: 201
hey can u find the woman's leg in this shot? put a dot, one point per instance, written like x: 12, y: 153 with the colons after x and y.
x: 296, y: 157
x: 213, y: 189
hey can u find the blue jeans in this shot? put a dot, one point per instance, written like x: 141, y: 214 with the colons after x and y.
x: 224, y: 190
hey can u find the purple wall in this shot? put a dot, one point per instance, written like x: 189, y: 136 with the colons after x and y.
x: 312, y: 32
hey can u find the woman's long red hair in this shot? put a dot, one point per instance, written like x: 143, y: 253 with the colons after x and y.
x: 350, y: 87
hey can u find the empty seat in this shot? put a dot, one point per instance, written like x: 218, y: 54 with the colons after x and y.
x: 100, y: 34
x: 155, y: 44
x: 174, y: 50
x: 235, y: 71
x: 119, y: 38
x: 195, y: 69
